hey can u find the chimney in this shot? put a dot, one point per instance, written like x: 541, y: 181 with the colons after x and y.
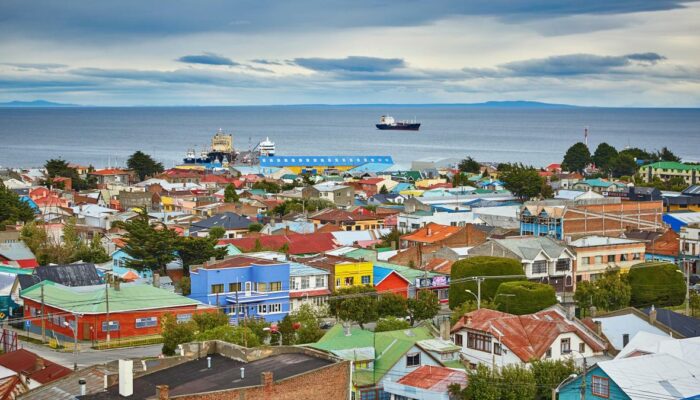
x: 598, y: 328
x: 445, y: 328
x: 39, y: 364
x: 208, y: 362
x: 429, y: 232
x: 83, y: 387
x: 592, y: 310
x: 163, y: 392
x: 469, y: 320
x: 652, y: 315
x: 242, y: 373
x: 126, y: 378
x: 267, y: 379
x: 156, y: 280
x: 348, y: 332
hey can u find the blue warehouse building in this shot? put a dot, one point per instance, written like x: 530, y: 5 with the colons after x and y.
x: 244, y: 286
x: 319, y: 164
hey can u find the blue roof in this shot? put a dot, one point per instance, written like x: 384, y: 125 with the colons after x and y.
x: 371, y: 167
x: 380, y: 273
x: 31, y: 203
x: 402, y: 186
x: 326, y: 161
x: 255, y: 169
x: 297, y: 269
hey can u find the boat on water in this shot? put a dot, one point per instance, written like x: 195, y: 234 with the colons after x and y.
x: 387, y: 122
x: 266, y: 147
x: 221, y: 151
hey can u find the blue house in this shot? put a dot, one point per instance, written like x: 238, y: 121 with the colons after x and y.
x: 542, y: 221
x: 244, y: 286
x: 678, y: 220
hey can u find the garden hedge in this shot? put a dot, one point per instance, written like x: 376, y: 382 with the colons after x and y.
x: 480, y: 266
x: 529, y: 297
x: 660, y: 284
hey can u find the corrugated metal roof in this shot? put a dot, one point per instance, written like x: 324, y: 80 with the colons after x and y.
x: 284, y: 161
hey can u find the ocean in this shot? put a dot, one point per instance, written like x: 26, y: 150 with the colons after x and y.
x: 535, y: 136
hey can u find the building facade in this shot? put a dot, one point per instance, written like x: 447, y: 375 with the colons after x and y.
x: 597, y: 254
x: 666, y: 170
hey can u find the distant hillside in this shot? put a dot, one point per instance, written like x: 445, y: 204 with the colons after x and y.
x: 488, y: 104
x: 36, y: 103
x: 519, y: 104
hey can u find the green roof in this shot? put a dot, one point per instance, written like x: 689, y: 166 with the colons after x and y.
x: 389, y: 347
x: 18, y: 271
x: 672, y: 165
x: 91, y: 300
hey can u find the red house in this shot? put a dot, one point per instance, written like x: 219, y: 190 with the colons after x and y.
x: 386, y: 280
x: 134, y: 310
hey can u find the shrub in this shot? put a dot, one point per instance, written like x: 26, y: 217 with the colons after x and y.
x: 529, y: 297
x: 481, y: 266
x: 391, y: 324
x: 656, y: 283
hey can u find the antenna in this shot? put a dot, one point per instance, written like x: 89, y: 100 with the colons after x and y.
x: 585, y: 135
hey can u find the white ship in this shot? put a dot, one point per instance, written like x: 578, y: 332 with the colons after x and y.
x: 266, y: 148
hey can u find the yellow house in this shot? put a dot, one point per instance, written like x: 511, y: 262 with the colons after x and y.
x: 426, y: 183
x: 666, y: 170
x: 347, y: 221
x: 344, y: 272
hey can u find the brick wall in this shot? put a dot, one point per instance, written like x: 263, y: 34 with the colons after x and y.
x: 612, y: 219
x: 330, y: 382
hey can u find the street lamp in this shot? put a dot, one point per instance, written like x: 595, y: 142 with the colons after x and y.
x: 556, y: 389
x: 478, y: 300
x: 506, y: 295
x: 74, y: 328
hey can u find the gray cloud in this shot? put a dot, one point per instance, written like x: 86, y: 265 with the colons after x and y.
x: 207, y: 59
x: 35, y: 66
x: 351, y: 64
x: 268, y: 62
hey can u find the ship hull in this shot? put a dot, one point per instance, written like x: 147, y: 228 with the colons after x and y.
x: 398, y: 127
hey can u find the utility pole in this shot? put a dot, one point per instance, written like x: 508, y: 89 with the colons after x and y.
x: 107, y: 307
x: 43, y: 321
x: 478, y: 292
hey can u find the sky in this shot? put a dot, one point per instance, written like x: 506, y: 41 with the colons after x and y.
x: 619, y: 53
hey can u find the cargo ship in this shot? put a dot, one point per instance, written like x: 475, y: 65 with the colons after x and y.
x: 389, y: 123
x: 220, y: 152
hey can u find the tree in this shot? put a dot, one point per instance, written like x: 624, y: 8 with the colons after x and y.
x: 392, y: 305
x: 391, y: 324
x: 255, y: 227
x: 301, y: 327
x: 622, y: 164
x: 148, y: 246
x: 384, y: 190
x: 185, y: 285
x: 267, y: 186
x: 577, y: 157
x: 482, y: 385
x: 480, y: 266
x: 175, y: 334
x: 524, y: 182
x: 12, y: 208
x: 93, y: 252
x: 548, y: 374
x: 59, y: 168
x: 640, y: 154
x: 694, y: 303
x: 425, y: 306
x: 610, y: 292
x: 469, y: 165
x: 517, y: 382
x: 356, y: 303
x: 527, y: 297
x: 603, y: 155
x: 230, y: 195
x: 216, y: 232
x: 144, y: 165
x: 210, y: 320
x: 667, y: 155
x: 391, y: 239
x: 656, y: 283
x: 239, y: 335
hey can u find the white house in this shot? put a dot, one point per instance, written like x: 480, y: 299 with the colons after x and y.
x: 410, y: 222
x: 497, y: 339
x: 94, y: 215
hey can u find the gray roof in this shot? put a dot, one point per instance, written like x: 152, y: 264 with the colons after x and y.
x: 528, y: 248
x: 68, y: 388
x: 227, y: 220
x: 693, y: 190
x: 15, y: 251
x: 687, y: 326
x: 84, y: 274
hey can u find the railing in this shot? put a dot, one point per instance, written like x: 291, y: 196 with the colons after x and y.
x: 125, y: 342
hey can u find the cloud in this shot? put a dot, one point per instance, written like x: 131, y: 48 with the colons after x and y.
x: 267, y: 62
x: 351, y: 64
x: 567, y: 65
x: 207, y: 59
x: 36, y: 66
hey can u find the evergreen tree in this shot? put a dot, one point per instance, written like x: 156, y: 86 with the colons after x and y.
x: 603, y: 156
x: 392, y: 305
x: 230, y: 195
x: 144, y: 165
x: 12, y: 208
x: 622, y: 164
x: 197, y: 250
x: 469, y: 165
x: 384, y: 190
x: 577, y: 157
x: 667, y: 155
x: 149, y: 246
x: 524, y: 182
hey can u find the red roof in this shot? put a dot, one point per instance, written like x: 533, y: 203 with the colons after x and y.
x: 238, y: 262
x: 434, y: 379
x: 432, y: 233
x: 370, y: 181
x: 527, y: 336
x: 26, y: 362
x: 28, y: 263
x: 310, y: 293
x: 310, y: 243
x: 336, y: 216
x: 111, y: 171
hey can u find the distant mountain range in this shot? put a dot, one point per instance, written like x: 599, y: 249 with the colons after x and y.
x: 36, y: 103
x: 488, y: 104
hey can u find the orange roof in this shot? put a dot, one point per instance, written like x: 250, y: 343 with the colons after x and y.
x: 130, y: 276
x: 441, y: 265
x: 110, y: 171
x: 527, y: 336
x: 432, y: 233
x: 435, y: 379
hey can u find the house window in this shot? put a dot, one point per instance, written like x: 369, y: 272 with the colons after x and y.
x: 611, y: 258
x: 113, y: 326
x: 479, y: 342
x: 539, y: 267
x: 598, y: 259
x: 261, y: 287
x: 585, y: 260
x: 304, y: 282
x: 218, y: 288
x: 182, y: 318
x: 293, y: 284
x: 636, y: 256
x: 566, y: 346
x: 497, y: 349
x: 623, y: 257
x: 337, y: 282
x: 275, y: 286
x: 412, y: 359
x: 365, y: 279
x: 600, y: 386
x: 146, y: 322
x: 458, y: 340
x: 563, y: 264
x: 234, y: 287
x: 262, y: 308
x: 581, y: 348
x: 320, y: 281
x: 349, y: 281
x: 548, y: 354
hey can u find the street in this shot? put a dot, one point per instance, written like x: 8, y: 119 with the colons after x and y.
x: 88, y: 357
